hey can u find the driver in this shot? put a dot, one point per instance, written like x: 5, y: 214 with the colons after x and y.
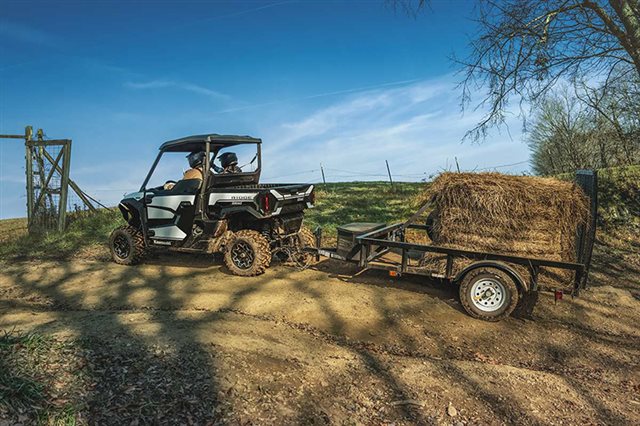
x: 196, y: 160
x: 229, y: 162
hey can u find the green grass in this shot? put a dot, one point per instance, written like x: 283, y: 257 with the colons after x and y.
x: 32, y: 367
x: 341, y: 203
x: 85, y: 229
x: 618, y: 195
x: 336, y: 204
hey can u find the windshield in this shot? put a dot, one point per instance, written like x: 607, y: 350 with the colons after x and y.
x: 170, y: 168
x: 236, y: 159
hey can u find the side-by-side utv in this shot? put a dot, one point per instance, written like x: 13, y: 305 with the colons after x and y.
x: 227, y: 211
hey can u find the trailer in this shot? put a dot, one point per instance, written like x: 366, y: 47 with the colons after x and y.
x: 491, y: 285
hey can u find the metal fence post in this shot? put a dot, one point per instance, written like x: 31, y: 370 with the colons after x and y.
x: 389, y: 171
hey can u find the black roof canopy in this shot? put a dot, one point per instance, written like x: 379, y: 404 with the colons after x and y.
x: 196, y: 142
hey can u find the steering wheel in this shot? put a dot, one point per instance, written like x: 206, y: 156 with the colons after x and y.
x: 161, y: 187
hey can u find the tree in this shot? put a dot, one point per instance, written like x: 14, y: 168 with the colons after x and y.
x: 524, y: 47
x: 568, y: 134
x: 617, y: 103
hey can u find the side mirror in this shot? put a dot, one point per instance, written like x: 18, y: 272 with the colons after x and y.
x: 148, y: 198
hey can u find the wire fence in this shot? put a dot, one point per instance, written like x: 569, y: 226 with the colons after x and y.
x: 331, y: 173
x: 54, y: 199
x: 108, y: 195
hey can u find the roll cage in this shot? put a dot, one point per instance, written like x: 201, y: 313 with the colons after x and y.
x: 212, y: 144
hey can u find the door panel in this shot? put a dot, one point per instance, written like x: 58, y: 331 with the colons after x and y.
x: 170, y: 232
x: 171, y: 216
x: 165, y: 206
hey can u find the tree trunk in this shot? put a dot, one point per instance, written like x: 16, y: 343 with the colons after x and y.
x: 629, y: 13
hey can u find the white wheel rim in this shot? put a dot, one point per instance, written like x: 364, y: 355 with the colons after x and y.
x: 488, y: 294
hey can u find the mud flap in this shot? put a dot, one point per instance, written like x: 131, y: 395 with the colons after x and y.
x: 524, y: 310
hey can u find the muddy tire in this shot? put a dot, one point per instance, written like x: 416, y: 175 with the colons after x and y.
x: 488, y: 293
x: 306, y: 238
x: 127, y: 245
x: 248, y: 254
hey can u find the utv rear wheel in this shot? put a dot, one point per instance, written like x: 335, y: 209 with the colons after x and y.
x: 306, y: 239
x: 488, y: 293
x: 248, y: 254
x: 126, y: 245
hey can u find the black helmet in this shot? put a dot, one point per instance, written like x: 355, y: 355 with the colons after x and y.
x: 195, y: 158
x: 228, y: 159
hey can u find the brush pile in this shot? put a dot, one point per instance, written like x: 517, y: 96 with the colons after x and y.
x: 516, y: 215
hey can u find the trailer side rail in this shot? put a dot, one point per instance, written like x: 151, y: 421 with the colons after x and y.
x: 378, y: 242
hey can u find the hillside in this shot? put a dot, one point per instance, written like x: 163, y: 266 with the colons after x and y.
x: 178, y: 339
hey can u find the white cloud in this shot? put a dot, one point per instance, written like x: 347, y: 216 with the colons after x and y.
x: 418, y: 128
x: 190, y: 87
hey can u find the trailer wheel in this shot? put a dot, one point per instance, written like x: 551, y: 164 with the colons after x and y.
x: 126, y: 244
x: 248, y: 254
x: 488, y: 293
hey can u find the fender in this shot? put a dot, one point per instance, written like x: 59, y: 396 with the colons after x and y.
x: 498, y: 265
x: 134, y: 214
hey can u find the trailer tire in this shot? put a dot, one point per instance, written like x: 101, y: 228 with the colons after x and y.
x: 126, y: 245
x: 248, y: 254
x: 489, y: 294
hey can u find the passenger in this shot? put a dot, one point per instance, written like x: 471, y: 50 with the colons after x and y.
x: 229, y: 162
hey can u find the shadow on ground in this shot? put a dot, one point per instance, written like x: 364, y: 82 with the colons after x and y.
x: 177, y: 339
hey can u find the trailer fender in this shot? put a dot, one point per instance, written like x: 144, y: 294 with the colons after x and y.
x: 520, y: 282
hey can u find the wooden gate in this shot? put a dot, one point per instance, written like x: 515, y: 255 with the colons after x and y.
x: 47, y: 172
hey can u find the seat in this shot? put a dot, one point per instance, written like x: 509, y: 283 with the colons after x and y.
x: 185, y: 187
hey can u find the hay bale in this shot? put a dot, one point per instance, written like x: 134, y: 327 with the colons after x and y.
x: 515, y: 215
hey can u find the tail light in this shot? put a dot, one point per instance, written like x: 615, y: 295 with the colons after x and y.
x: 266, y: 203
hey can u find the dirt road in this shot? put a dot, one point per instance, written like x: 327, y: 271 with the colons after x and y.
x: 320, y: 346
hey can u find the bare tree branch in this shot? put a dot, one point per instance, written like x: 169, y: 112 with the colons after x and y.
x: 524, y: 47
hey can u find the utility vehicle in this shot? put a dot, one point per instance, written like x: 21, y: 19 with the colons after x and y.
x: 228, y: 213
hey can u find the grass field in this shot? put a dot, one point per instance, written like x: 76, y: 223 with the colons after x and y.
x: 336, y: 204
x: 342, y: 203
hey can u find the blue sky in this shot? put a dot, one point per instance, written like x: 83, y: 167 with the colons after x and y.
x: 345, y: 84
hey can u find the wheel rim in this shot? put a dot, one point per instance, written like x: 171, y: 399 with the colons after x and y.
x: 121, y: 246
x: 488, y: 294
x: 242, y: 255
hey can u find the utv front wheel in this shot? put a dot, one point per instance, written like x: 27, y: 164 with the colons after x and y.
x: 248, y: 254
x: 126, y: 245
